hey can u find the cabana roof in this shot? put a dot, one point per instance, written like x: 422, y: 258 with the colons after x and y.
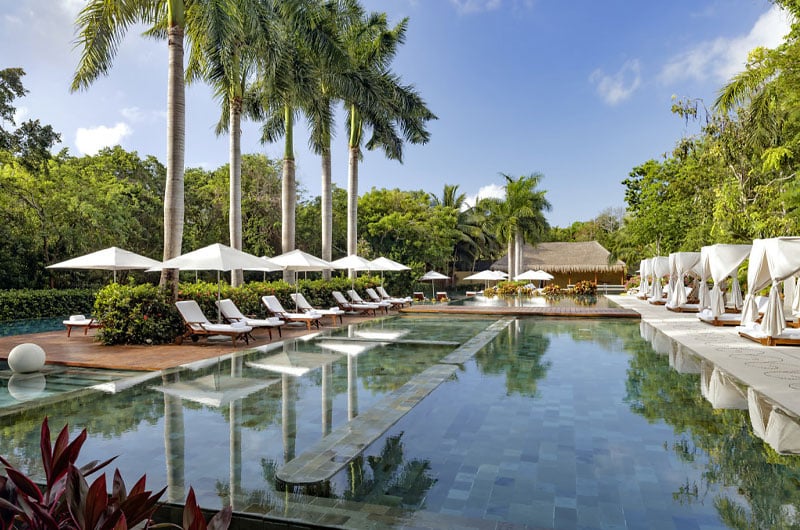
x: 565, y: 258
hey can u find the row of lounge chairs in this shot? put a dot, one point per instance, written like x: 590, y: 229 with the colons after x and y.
x: 238, y: 326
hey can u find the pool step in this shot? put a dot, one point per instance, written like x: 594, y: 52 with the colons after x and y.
x: 415, y: 342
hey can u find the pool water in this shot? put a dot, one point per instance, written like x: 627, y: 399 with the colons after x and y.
x: 535, y: 301
x: 32, y: 325
x: 555, y: 423
x: 52, y: 381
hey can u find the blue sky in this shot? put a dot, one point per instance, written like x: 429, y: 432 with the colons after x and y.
x: 579, y: 91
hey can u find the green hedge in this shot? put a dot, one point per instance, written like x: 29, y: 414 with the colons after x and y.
x: 19, y: 304
x: 143, y: 314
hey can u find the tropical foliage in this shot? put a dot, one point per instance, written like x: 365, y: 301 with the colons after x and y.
x: 67, y: 501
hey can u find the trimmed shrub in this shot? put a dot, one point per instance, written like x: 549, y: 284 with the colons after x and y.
x: 136, y: 314
x: 29, y: 303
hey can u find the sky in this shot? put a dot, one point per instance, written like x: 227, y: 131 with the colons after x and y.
x: 577, y: 91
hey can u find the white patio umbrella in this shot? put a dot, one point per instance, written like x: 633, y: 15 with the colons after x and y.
x: 109, y: 259
x: 432, y: 276
x: 217, y: 257
x: 539, y: 275
x: 299, y: 261
x: 487, y: 276
x: 385, y: 264
x: 352, y: 262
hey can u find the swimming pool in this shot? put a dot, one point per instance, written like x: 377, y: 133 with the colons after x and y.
x: 554, y: 423
x: 534, y: 301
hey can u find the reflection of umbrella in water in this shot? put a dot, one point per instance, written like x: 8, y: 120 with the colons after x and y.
x: 109, y: 259
x: 215, y: 390
x: 293, y: 363
x: 218, y: 258
x: 432, y: 276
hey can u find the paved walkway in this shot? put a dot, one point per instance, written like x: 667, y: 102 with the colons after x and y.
x: 773, y: 371
x: 552, y: 311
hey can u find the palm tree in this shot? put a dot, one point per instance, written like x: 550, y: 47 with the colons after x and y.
x: 287, y: 86
x: 102, y: 25
x: 333, y: 82
x: 473, y: 239
x: 371, y: 46
x: 238, y: 32
x: 519, y: 217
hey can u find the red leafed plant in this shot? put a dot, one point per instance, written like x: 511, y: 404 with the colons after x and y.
x: 69, y: 502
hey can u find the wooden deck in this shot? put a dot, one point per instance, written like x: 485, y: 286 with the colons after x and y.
x: 84, y: 351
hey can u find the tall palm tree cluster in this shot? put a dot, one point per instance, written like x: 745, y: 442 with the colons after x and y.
x: 493, y: 223
x: 275, y: 62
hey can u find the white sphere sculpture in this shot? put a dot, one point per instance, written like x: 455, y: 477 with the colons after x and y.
x: 24, y: 387
x: 26, y: 358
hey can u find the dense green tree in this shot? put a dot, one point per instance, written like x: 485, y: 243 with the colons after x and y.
x: 403, y: 226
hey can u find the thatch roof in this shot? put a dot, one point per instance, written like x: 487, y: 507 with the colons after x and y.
x: 565, y: 258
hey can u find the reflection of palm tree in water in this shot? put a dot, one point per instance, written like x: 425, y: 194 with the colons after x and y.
x: 518, y: 354
x: 389, y: 479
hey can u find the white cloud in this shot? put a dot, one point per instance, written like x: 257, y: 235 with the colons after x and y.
x: 20, y: 114
x: 90, y: 141
x: 137, y: 115
x: 614, y: 88
x: 72, y: 7
x: 492, y: 190
x: 475, y: 6
x: 721, y: 58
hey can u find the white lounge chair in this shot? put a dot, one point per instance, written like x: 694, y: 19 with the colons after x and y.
x: 274, y: 306
x: 356, y: 299
x: 387, y: 296
x: 303, y: 305
x: 232, y: 315
x: 345, y: 305
x: 80, y: 321
x: 197, y: 325
x: 394, y: 302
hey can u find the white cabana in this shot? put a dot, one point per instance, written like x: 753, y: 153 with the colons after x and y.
x: 659, y: 267
x: 681, y: 264
x: 771, y: 261
x: 644, y: 273
x: 719, y: 262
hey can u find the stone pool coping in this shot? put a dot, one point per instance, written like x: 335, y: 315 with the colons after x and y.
x: 778, y: 380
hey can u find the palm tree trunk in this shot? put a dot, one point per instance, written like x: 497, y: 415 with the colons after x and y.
x: 288, y: 193
x: 352, y: 202
x: 352, y: 183
x: 326, y: 206
x: 512, y: 260
x: 235, y: 214
x: 176, y: 133
x: 518, y: 252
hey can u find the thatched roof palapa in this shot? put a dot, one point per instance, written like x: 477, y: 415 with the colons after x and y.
x: 565, y: 258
